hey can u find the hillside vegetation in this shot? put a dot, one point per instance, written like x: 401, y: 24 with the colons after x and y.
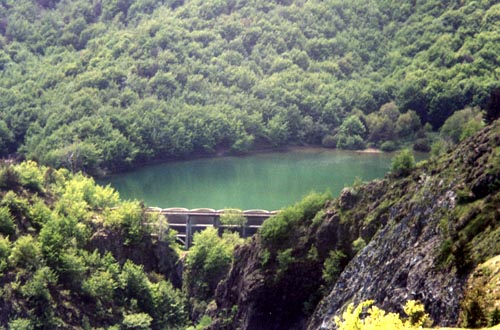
x: 72, y: 256
x: 427, y: 232
x: 105, y: 85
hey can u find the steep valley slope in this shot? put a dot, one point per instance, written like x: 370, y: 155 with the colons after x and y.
x: 417, y: 236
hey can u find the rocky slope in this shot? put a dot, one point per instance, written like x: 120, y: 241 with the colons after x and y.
x: 424, y: 235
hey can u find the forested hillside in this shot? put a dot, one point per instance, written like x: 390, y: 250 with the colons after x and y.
x: 104, y: 85
x: 72, y: 256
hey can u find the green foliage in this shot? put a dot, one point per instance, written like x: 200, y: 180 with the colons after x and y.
x: 351, y: 134
x: 208, y: 261
x: 329, y: 141
x: 48, y: 272
x: 138, y: 321
x: 4, y: 253
x: 284, y: 259
x: 102, y: 87
x: 264, y: 258
x: 276, y: 230
x: 7, y: 226
x: 359, y: 244
x: 25, y: 253
x: 403, y: 163
x: 9, y: 178
x: 233, y: 217
x: 388, y: 146
x: 37, y: 288
x: 31, y: 175
x: 100, y: 286
x: 462, y: 124
x: 204, y: 322
x: 21, y: 324
x: 332, y: 267
x: 129, y: 216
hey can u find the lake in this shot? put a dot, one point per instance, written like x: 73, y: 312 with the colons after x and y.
x: 260, y: 181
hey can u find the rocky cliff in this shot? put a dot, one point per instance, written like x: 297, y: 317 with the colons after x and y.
x: 416, y: 237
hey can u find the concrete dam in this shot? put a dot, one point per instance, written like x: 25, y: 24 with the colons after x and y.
x: 187, y: 222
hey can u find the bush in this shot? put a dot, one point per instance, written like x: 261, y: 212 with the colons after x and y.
x: 100, y: 286
x: 25, y: 253
x: 30, y: 175
x: 37, y: 288
x: 7, y: 226
x: 329, y: 141
x: 388, y: 146
x: 359, y: 244
x: 169, y: 306
x: 233, y: 217
x: 4, y: 253
x: 277, y: 229
x: 284, y: 258
x: 9, y: 178
x: 403, y: 163
x: 138, y: 321
x: 350, y: 142
x: 422, y: 145
x: 332, y: 267
x: 208, y: 261
x: 462, y: 124
x: 128, y: 217
x: 21, y: 324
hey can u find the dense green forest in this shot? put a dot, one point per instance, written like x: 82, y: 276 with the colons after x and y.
x: 105, y: 85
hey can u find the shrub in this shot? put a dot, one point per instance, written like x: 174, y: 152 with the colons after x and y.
x: 332, y: 267
x: 388, y: 146
x: 31, y: 175
x: 169, y: 306
x: 359, y: 244
x: 284, y: 258
x: 233, y: 217
x: 403, y: 163
x: 4, y: 253
x: 277, y: 229
x: 138, y: 321
x: 462, y: 124
x: 329, y: 141
x: 129, y: 217
x: 135, y: 284
x: 21, y: 324
x: 7, y: 226
x: 100, y: 286
x: 422, y: 145
x: 25, y: 253
x: 208, y: 261
x: 9, y: 178
x: 37, y: 288
x: 350, y: 142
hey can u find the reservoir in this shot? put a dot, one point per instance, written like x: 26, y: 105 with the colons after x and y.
x: 260, y: 181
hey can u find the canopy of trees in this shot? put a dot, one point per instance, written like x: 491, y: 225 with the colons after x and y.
x: 103, y: 85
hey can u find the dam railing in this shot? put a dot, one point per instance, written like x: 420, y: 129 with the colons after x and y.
x: 187, y: 222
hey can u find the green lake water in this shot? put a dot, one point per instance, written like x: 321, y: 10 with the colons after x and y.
x: 262, y: 181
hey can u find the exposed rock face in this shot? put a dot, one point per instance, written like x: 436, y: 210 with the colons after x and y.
x: 425, y: 233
